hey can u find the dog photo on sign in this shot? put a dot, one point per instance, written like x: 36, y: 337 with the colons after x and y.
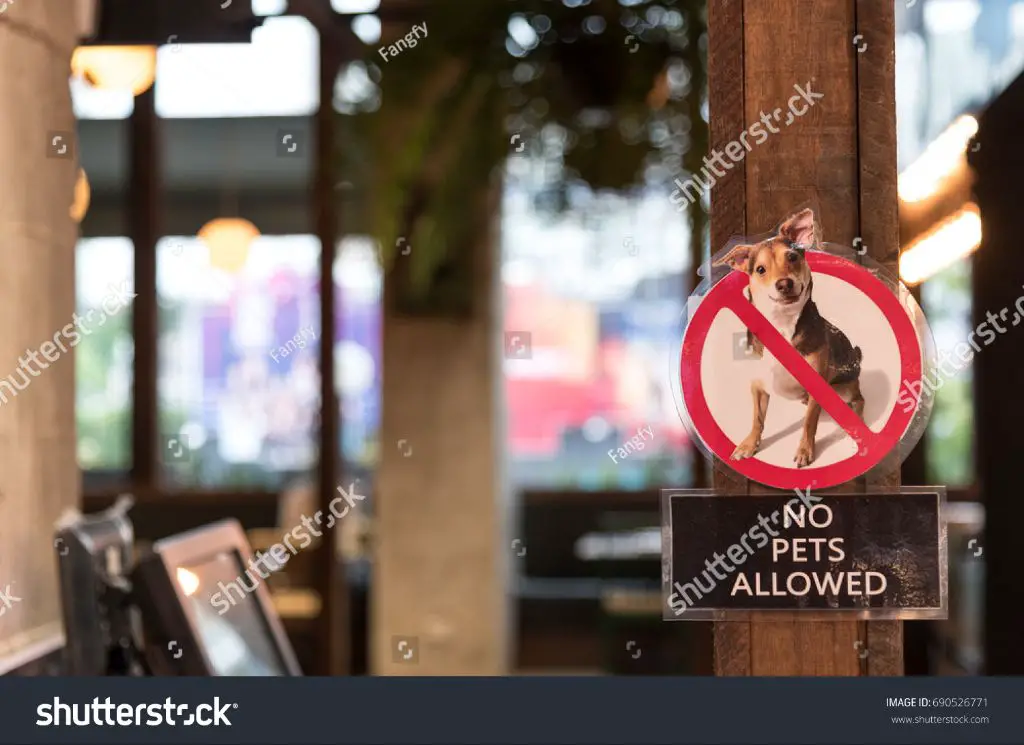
x: 781, y: 287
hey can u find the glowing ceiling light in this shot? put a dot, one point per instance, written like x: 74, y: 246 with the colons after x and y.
x: 188, y: 581
x: 941, y: 158
x: 116, y: 68
x: 228, y: 240
x: 954, y: 239
x: 80, y: 205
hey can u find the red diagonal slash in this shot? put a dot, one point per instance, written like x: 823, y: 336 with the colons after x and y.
x: 797, y: 366
x: 872, y: 446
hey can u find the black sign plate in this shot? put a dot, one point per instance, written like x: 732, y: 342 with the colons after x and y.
x: 878, y: 555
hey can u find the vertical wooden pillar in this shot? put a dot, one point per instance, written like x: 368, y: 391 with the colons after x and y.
x: 145, y: 152
x: 333, y: 637
x: 842, y: 155
x: 38, y: 472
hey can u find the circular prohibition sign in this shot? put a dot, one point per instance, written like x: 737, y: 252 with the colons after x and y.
x: 872, y: 446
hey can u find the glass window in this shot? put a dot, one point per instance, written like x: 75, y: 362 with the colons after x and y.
x: 594, y: 298
x: 276, y: 75
x: 103, y: 357
x: 239, y: 360
x: 354, y: 6
x: 95, y: 103
x: 238, y: 373
x: 953, y: 56
x: 946, y: 298
x: 358, y: 352
x: 269, y: 7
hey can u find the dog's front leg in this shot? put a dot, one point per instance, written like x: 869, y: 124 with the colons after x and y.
x: 752, y: 441
x: 805, y: 450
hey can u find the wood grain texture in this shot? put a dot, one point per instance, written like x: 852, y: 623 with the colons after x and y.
x: 728, y: 219
x: 812, y: 160
x: 839, y: 157
x: 879, y: 229
x: 876, y: 128
x: 728, y: 117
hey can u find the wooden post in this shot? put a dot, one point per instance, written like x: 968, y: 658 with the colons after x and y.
x: 144, y: 226
x: 842, y: 155
x: 331, y: 582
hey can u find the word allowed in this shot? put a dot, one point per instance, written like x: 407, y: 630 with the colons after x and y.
x: 296, y: 342
x: 634, y: 444
x: 800, y: 550
x: 408, y: 41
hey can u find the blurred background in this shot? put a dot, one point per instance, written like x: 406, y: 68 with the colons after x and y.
x: 247, y: 191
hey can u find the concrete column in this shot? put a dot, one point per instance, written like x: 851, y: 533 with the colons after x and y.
x: 441, y: 554
x: 38, y: 469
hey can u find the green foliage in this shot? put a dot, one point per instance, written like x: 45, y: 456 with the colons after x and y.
x: 103, y: 430
x: 950, y: 439
x: 428, y: 144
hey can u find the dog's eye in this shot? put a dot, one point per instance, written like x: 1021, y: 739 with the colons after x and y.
x: 793, y: 257
x: 761, y: 270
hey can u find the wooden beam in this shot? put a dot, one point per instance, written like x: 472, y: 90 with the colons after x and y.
x: 726, y: 86
x: 330, y: 578
x: 840, y: 155
x: 144, y: 227
x: 880, y: 232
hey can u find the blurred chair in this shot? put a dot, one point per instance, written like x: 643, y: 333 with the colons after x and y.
x: 296, y: 601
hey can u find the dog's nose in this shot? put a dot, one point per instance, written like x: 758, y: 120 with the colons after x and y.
x: 784, y: 285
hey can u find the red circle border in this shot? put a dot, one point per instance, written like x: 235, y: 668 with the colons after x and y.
x: 822, y: 477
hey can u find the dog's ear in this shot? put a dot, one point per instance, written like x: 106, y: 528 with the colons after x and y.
x: 738, y: 258
x: 801, y: 229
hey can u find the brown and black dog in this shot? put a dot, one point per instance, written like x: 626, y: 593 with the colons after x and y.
x: 780, y: 288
